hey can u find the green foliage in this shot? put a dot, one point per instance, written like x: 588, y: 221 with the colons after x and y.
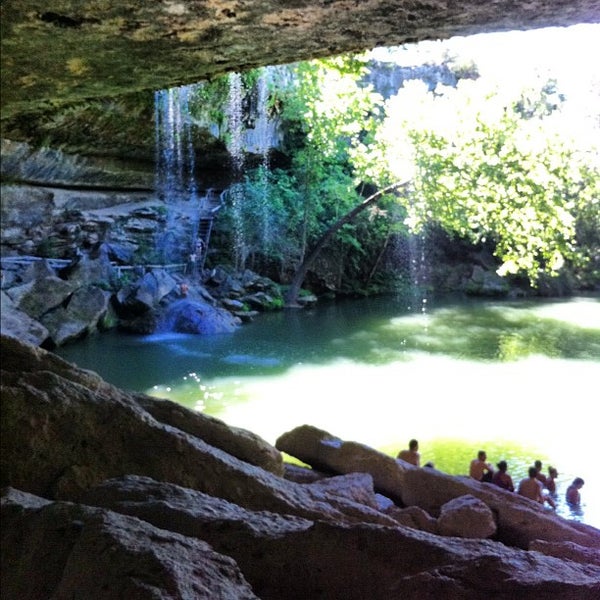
x: 492, y: 166
x: 488, y: 167
x: 326, y: 114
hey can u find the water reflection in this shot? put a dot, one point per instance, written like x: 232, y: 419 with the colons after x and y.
x: 518, y: 379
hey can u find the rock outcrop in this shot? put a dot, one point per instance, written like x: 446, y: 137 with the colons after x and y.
x: 51, y: 303
x: 108, y: 494
x: 98, y: 50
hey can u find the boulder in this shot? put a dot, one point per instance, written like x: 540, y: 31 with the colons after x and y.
x: 43, y: 291
x: 466, y: 517
x: 186, y: 316
x: 62, y: 550
x: 18, y: 324
x: 238, y: 442
x: 413, y: 516
x: 329, y: 453
x: 84, y: 311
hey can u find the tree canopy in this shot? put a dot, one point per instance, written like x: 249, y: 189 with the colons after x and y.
x: 486, y: 163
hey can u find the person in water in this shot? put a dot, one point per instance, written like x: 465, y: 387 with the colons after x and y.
x: 551, y: 480
x: 411, y: 455
x: 540, y: 476
x: 501, y: 478
x: 479, y: 469
x: 573, y: 496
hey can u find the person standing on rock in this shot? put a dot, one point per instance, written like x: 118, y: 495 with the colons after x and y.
x: 411, y: 455
x: 480, y: 469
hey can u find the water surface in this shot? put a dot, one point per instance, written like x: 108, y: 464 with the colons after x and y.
x: 519, y: 379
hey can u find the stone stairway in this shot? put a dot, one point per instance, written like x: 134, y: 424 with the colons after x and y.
x: 209, y: 206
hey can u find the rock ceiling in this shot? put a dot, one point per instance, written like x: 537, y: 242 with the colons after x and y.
x: 59, y: 51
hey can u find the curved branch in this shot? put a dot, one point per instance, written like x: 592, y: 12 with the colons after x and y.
x: 291, y: 297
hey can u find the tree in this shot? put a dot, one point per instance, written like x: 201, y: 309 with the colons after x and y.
x: 291, y: 297
x: 488, y: 167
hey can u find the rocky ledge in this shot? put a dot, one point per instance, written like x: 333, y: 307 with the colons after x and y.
x: 108, y: 494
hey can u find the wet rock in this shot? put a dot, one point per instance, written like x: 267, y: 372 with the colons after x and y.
x: 22, y: 162
x: 185, y: 316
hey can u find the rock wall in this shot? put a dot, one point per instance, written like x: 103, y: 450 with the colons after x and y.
x: 64, y: 51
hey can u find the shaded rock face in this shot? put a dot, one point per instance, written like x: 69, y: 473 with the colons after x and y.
x: 107, y: 555
x: 141, y: 498
x: 103, y: 49
x: 49, y: 166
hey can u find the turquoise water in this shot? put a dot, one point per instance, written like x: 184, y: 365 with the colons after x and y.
x: 519, y: 379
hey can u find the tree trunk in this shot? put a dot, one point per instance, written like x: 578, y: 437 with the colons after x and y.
x: 291, y: 297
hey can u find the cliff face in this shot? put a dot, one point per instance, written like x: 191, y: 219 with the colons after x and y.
x: 62, y: 51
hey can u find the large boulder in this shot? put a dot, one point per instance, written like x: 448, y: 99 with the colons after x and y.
x: 328, y: 453
x: 63, y: 550
x: 238, y: 442
x: 42, y: 292
x: 20, y: 325
x: 187, y: 316
x: 466, y: 517
x: 85, y: 310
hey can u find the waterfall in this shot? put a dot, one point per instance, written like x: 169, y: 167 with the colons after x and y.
x: 263, y: 142
x: 419, y: 271
x: 252, y: 134
x: 175, y: 159
x: 235, y: 147
x: 175, y: 181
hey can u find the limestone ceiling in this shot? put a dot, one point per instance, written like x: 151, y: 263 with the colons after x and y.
x: 56, y: 51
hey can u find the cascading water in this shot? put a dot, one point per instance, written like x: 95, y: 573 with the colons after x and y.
x: 235, y: 147
x: 175, y: 165
x: 251, y: 136
x: 262, y: 144
x: 419, y: 271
